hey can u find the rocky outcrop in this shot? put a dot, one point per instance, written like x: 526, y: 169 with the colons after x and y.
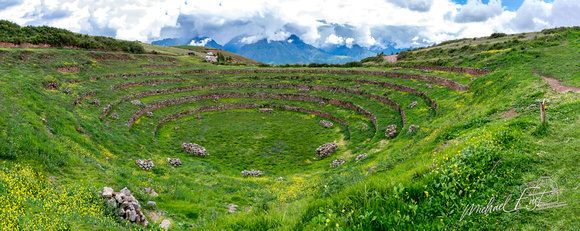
x: 326, y: 124
x: 145, y: 164
x: 412, y: 128
x: 326, y: 149
x: 391, y: 131
x: 252, y: 173
x: 337, y: 162
x: 360, y: 157
x: 129, y: 207
x: 194, y: 149
x: 174, y: 162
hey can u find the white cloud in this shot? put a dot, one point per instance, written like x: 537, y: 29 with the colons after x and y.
x: 200, y: 43
x: 375, y: 23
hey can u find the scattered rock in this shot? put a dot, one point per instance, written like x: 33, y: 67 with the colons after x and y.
x: 321, y: 104
x: 426, y: 71
x: 280, y: 179
x: 115, y: 116
x: 198, y: 117
x: 266, y: 110
x: 360, y: 157
x: 252, y: 173
x: 326, y: 124
x: 216, y: 99
x: 337, y: 162
x: 326, y: 149
x: 428, y: 86
x: 232, y: 208
x: 412, y: 128
x: 396, y: 69
x: 176, y: 127
x: 391, y: 131
x: 371, y: 169
x: 303, y: 90
x: 413, y: 104
x: 145, y: 164
x: 357, y: 86
x: 365, y: 127
x: 67, y: 90
x: 387, y: 93
x: 96, y: 102
x: 175, y: 162
x: 165, y: 224
x: 471, y: 79
x: 151, y: 203
x: 177, y: 75
x: 150, y: 114
x: 129, y: 207
x: 153, y: 193
x: 194, y: 149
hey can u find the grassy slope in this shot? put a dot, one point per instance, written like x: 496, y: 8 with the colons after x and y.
x: 422, y: 180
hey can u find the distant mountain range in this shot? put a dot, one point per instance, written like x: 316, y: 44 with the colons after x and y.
x: 292, y: 50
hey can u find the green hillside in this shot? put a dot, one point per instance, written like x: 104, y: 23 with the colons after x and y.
x: 77, y: 120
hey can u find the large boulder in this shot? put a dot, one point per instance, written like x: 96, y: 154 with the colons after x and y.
x: 391, y: 131
x: 326, y: 124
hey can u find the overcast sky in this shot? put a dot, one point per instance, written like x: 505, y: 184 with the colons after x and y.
x: 406, y: 23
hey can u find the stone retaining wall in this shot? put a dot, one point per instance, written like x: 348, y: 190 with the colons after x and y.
x: 425, y: 78
x: 130, y: 75
x: 148, y: 82
x: 250, y: 106
x: 297, y: 97
x: 159, y: 66
x: 379, y: 98
x: 462, y: 70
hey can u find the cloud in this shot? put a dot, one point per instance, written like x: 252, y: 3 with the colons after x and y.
x: 533, y: 15
x: 414, y: 5
x: 565, y: 13
x: 5, y: 4
x: 476, y: 11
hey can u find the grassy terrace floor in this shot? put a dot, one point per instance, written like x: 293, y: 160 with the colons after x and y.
x: 481, y: 143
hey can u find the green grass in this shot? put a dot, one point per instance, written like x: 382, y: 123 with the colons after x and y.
x: 465, y: 153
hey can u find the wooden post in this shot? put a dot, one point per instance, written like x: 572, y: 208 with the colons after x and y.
x: 543, y: 110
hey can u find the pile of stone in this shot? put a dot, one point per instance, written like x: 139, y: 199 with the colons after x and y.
x: 428, y: 86
x: 96, y: 102
x: 150, y: 114
x: 266, y: 110
x: 194, y: 149
x: 391, y: 131
x: 360, y: 157
x: 303, y: 90
x: 412, y: 128
x: 337, y: 162
x: 413, y: 104
x: 115, y: 116
x: 175, y: 162
x: 52, y: 86
x: 129, y: 207
x: 136, y: 102
x: 321, y: 104
x: 326, y: 124
x: 365, y: 127
x: 326, y: 149
x: 252, y: 173
x: 176, y: 127
x: 145, y: 164
x: 279, y: 179
x: 216, y: 99
x: 356, y: 86
x: 426, y: 71
x: 67, y: 90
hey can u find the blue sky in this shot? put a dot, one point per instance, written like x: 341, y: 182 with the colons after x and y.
x: 368, y: 23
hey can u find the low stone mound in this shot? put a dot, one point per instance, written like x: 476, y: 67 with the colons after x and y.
x: 194, y: 149
x: 136, y: 102
x: 176, y: 127
x: 175, y: 162
x: 252, y: 173
x: 321, y: 104
x: 391, y: 131
x: 129, y: 207
x: 337, y: 162
x: 145, y: 164
x: 413, y: 104
x: 52, y: 86
x: 266, y: 110
x: 412, y: 128
x: 428, y: 86
x: 326, y: 124
x: 326, y: 149
x: 70, y: 69
x: 149, y: 114
x: 360, y: 157
x: 96, y: 102
x: 115, y: 116
x: 365, y: 127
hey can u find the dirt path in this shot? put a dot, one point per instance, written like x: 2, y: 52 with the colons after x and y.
x: 554, y: 83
